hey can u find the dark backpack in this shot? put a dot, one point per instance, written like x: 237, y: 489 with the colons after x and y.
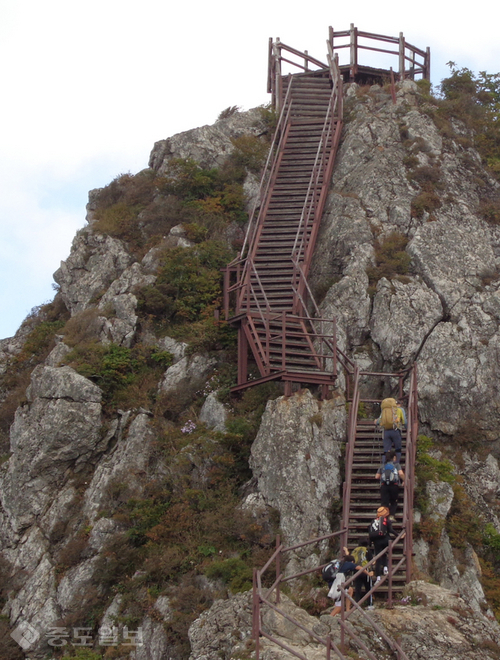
x: 329, y: 572
x: 378, y: 528
x: 390, y: 474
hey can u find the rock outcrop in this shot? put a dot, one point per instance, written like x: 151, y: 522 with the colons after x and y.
x: 81, y: 466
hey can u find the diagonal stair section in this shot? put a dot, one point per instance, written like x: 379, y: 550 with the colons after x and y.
x: 271, y: 272
x: 365, y: 489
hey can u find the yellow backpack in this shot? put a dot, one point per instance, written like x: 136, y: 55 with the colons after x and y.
x: 389, y: 418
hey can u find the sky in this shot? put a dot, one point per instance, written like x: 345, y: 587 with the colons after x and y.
x: 89, y: 87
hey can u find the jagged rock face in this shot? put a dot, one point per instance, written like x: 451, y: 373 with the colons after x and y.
x: 437, y: 624
x: 94, y: 263
x: 295, y: 459
x: 57, y: 429
x: 442, y: 313
x: 208, y: 145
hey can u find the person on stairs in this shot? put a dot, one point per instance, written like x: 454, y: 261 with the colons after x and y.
x: 391, y: 477
x: 392, y: 421
x: 362, y: 555
x: 348, y: 568
x: 379, y: 532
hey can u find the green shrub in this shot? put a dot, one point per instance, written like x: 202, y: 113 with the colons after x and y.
x: 119, y: 221
x: 462, y: 524
x: 116, y: 369
x: 228, y: 112
x: 425, y: 201
x: 234, y: 572
x: 188, y: 285
x: 391, y: 259
x: 491, y: 539
x: 475, y: 100
x: 489, y: 210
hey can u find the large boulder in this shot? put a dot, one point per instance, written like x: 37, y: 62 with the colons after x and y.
x: 296, y: 461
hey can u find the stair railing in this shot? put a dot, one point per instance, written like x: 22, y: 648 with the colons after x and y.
x: 351, y: 438
x: 262, y: 596
x: 274, y: 75
x: 320, y: 175
x: 270, y: 166
x: 411, y: 454
x: 345, y: 628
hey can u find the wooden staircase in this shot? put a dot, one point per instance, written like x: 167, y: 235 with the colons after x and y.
x: 271, y: 289
x: 365, y: 490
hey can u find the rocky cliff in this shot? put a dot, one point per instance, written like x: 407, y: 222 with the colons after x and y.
x: 136, y: 493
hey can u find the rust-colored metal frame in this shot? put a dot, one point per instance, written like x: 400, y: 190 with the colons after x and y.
x: 411, y: 447
x: 263, y: 597
x: 418, y: 60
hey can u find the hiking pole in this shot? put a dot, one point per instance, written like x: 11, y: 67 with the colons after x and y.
x: 370, y: 606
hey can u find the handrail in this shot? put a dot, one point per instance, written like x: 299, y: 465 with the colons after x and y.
x: 273, y: 151
x: 260, y: 598
x: 351, y: 436
x: 353, y: 34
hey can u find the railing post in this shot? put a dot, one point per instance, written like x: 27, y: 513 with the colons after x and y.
x: 306, y: 61
x: 328, y: 647
x: 353, y: 50
x: 277, y: 74
x: 256, y: 615
x: 427, y: 67
x: 278, y: 568
x: 389, y: 595
x: 334, y: 347
x: 283, y: 340
x: 401, y: 57
x: 342, y: 620
x: 270, y: 69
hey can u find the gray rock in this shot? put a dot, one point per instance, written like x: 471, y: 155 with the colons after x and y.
x: 223, y: 629
x: 214, y: 413
x: 295, y: 459
x: 126, y: 464
x: 177, y: 348
x: 58, y: 428
x: 94, y: 263
x: 440, y: 495
x: 189, y: 373
x: 403, y: 315
x: 207, y: 145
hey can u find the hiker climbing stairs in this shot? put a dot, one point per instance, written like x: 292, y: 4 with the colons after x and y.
x: 365, y: 489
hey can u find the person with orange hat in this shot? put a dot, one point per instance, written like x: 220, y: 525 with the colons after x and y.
x: 380, y: 531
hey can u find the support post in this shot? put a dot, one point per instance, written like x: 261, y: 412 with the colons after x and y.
x: 427, y: 68
x: 354, y: 51
x: 256, y: 615
x: 242, y: 355
x: 401, y: 57
x: 389, y: 595
x: 278, y: 568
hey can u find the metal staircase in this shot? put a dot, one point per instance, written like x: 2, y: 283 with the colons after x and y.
x: 267, y: 296
x: 267, y: 282
x: 361, y: 491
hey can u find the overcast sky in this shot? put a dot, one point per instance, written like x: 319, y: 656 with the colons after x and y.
x: 88, y: 87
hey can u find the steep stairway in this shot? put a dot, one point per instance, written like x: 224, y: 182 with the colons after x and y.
x: 365, y: 489
x: 270, y: 310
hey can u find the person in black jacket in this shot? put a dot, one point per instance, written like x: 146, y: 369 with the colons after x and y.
x: 380, y: 531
